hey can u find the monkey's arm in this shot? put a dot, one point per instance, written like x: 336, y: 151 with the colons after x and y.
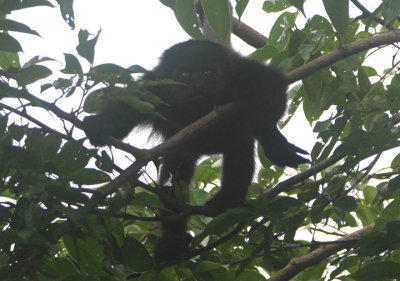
x: 263, y: 90
x: 116, y: 119
x: 278, y: 150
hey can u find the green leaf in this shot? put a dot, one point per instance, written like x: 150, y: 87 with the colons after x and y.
x: 313, y: 86
x: 67, y: 12
x: 45, y: 87
x: 136, y: 69
x: 52, y: 143
x: 382, y: 270
x: 32, y: 74
x: 279, y: 35
x: 169, y: 3
x: 309, y: 44
x: 11, y: 5
x: 315, y: 272
x: 104, y: 163
x: 9, y: 62
x: 72, y: 157
x: 207, y: 171
x: 111, y: 73
x: 72, y: 65
x: 344, y: 70
x: 35, y: 60
x: 391, y: 212
x: 363, y: 80
x: 346, y: 264
x: 62, y: 84
x: 345, y: 203
x: 395, y: 162
x: 265, y: 53
x: 87, y: 252
x: 135, y: 256
x: 311, y: 109
x: 86, y: 47
x: 366, y: 214
x: 393, y: 190
x: 62, y: 267
x: 3, y: 124
x: 369, y: 194
x: 338, y: 12
x: 275, y: 6
x: 185, y: 13
x: 296, y: 39
x: 218, y: 14
x: 199, y: 196
x: 298, y: 4
x: 94, y: 101
x: 140, y: 105
x: 369, y: 71
x: 317, y: 211
x: 390, y: 10
x: 88, y: 177
x: 9, y: 43
x: 227, y: 219
x: 5, y: 214
x: 11, y: 25
x: 240, y: 7
x: 149, y: 199
x: 375, y: 121
x: 134, y: 229
x: 67, y: 195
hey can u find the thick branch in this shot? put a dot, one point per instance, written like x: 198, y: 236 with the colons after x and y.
x: 297, y: 265
x: 248, y: 34
x: 342, y: 52
x: 315, y: 169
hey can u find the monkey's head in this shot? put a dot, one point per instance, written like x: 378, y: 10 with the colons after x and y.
x: 199, y: 64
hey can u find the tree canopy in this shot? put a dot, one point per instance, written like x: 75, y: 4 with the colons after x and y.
x: 69, y: 211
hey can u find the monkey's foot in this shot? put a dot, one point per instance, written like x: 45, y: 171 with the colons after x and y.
x: 171, y: 247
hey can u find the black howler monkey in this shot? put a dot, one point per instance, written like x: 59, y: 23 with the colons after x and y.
x: 211, y: 75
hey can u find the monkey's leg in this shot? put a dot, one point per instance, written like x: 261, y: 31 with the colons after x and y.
x: 174, y: 241
x: 237, y: 173
x: 276, y: 147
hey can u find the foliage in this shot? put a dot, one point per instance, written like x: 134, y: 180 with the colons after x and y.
x: 69, y: 212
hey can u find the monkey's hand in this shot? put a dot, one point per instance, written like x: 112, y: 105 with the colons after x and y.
x: 286, y: 154
x: 278, y: 150
x: 95, y: 130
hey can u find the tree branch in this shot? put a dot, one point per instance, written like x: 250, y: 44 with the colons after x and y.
x: 35, y: 121
x: 342, y: 52
x: 313, y: 170
x: 248, y: 34
x: 369, y: 14
x: 296, y: 265
x: 220, y: 241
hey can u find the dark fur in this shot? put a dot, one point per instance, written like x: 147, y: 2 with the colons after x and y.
x: 213, y: 75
